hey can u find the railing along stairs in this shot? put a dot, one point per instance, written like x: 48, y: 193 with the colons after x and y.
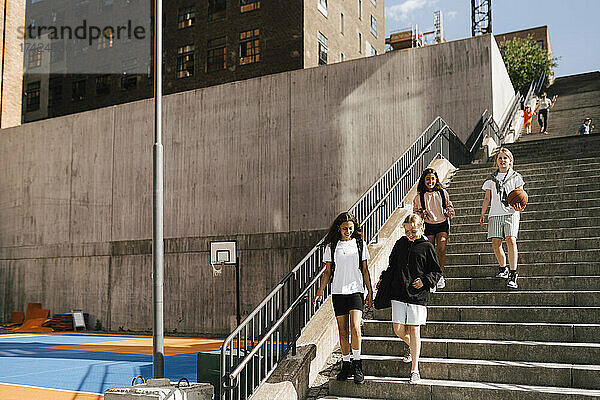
x: 252, y: 351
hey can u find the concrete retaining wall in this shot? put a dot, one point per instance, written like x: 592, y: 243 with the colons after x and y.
x: 267, y: 156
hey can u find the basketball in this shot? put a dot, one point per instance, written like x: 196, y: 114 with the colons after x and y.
x: 518, y: 196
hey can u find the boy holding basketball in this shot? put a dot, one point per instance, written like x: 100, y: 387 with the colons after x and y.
x: 503, y: 218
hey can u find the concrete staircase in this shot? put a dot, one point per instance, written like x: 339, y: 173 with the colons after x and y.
x: 484, y: 341
x: 578, y: 98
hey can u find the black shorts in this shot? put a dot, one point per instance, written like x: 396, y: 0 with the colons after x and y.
x: 343, y: 303
x: 434, y: 229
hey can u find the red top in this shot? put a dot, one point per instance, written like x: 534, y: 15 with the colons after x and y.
x: 527, y: 115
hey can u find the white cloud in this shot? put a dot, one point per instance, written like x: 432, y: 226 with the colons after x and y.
x: 451, y: 14
x: 402, y: 12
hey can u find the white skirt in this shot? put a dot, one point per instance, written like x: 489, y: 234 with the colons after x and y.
x: 408, y: 314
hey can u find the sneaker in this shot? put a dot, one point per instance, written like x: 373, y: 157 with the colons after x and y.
x: 415, y: 377
x: 502, y: 272
x: 346, y: 371
x: 359, y: 375
x: 512, y: 280
x: 441, y: 283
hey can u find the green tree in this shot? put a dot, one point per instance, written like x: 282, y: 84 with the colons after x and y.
x: 525, y: 61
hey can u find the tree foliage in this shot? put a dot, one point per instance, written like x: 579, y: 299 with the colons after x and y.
x: 525, y: 61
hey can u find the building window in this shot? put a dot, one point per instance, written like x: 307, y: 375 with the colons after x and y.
x: 373, y: 26
x: 185, y: 61
x: 360, y: 43
x: 106, y: 39
x: 33, y: 96
x: 322, y: 6
x: 215, y: 54
x: 341, y: 57
x: 540, y: 43
x: 78, y: 90
x: 186, y: 17
x: 249, y: 5
x: 102, y: 84
x: 249, y: 47
x: 57, y: 51
x: 55, y: 92
x: 342, y: 23
x: 34, y: 58
x: 373, y: 51
x: 359, y: 9
x: 217, y: 9
x: 323, y: 45
x: 129, y: 77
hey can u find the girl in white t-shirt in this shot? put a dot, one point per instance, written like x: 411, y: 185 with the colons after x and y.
x: 503, y: 219
x: 347, y: 269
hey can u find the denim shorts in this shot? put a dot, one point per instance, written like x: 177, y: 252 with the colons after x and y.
x: 501, y: 226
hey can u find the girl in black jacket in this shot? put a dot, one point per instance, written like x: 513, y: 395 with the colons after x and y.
x: 414, y: 269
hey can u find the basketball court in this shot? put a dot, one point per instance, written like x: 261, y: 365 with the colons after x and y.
x: 81, y: 366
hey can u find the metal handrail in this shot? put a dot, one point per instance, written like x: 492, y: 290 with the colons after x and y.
x: 486, y: 126
x: 253, y: 350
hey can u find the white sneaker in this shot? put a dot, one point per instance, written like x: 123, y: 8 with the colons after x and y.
x: 415, y: 377
x: 441, y: 283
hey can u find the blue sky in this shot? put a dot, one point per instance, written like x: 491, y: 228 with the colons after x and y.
x: 572, y: 24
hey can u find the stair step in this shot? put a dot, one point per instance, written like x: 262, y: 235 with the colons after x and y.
x: 534, y: 206
x: 542, y: 244
x: 555, y: 298
x: 528, y: 215
x: 525, y: 283
x: 429, y: 389
x: 534, y: 191
x: 485, y: 330
x: 514, y: 372
x: 464, y: 313
x: 524, y: 235
x: 476, y: 201
x: 544, y: 223
x: 500, y: 350
x: 526, y: 257
x: 461, y: 175
x: 525, y: 270
x: 523, y: 164
x: 537, y: 181
x: 554, y: 174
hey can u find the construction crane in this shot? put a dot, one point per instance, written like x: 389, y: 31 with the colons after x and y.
x: 481, y: 17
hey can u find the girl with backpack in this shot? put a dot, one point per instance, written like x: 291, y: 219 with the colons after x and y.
x: 345, y: 258
x: 433, y: 204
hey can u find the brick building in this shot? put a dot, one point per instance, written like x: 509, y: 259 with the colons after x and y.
x: 205, y: 42
x: 539, y: 35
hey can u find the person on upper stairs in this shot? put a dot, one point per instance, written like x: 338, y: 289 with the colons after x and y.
x: 542, y: 109
x: 503, y: 219
x: 345, y: 255
x: 433, y: 204
x: 527, y: 117
x: 586, y: 127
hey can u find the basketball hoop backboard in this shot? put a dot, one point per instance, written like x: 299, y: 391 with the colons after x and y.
x: 223, y: 253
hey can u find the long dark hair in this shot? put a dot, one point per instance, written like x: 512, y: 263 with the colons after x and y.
x: 334, y: 233
x: 421, y: 188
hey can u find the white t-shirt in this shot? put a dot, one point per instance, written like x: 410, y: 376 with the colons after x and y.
x: 347, y: 278
x: 545, y: 103
x: 496, y: 207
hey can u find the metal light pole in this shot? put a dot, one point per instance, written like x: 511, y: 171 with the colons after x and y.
x: 157, y: 217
